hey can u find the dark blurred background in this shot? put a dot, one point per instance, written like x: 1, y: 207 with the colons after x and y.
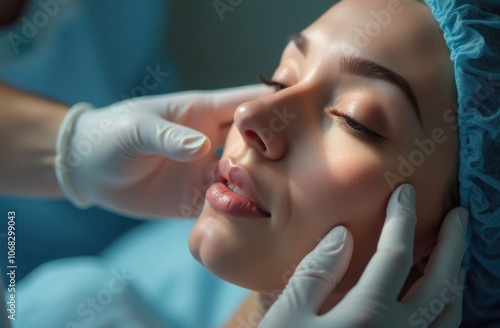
x: 214, y: 53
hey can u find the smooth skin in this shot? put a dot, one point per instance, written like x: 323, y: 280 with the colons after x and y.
x: 375, y: 300
x: 321, y: 168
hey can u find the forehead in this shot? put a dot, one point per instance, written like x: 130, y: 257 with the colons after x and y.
x: 390, y: 31
x: 399, y: 34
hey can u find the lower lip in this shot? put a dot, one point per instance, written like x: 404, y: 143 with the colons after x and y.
x: 227, y: 201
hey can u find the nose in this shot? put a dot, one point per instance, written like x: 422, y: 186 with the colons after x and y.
x: 263, y: 123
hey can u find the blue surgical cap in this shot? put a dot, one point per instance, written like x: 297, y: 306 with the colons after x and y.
x: 472, y: 33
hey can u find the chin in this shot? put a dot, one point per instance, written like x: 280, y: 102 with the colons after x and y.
x: 210, y: 244
x: 204, y: 240
x: 214, y: 243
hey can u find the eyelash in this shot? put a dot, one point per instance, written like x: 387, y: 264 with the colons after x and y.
x: 356, y: 128
x: 277, y: 86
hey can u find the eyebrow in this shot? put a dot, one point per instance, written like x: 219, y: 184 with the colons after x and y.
x: 367, y: 68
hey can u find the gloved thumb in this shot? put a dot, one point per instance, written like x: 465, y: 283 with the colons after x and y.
x: 316, y: 276
x: 176, y: 141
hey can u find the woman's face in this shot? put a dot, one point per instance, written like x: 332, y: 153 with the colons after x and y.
x: 364, y: 103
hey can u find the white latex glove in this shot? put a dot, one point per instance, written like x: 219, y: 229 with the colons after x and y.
x: 373, y: 301
x: 148, y: 156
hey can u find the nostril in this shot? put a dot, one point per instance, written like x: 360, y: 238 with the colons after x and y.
x: 255, y: 140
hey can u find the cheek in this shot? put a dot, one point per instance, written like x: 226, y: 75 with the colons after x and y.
x: 340, y: 184
x: 429, y: 163
x: 344, y: 186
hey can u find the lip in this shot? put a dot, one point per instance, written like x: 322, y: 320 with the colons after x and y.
x: 222, y: 198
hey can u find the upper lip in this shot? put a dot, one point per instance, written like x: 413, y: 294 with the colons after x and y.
x: 226, y: 171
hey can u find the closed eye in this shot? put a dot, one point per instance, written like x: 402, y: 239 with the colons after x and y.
x: 277, y: 86
x: 355, y: 128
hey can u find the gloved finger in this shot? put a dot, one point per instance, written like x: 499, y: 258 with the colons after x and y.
x: 451, y: 316
x: 388, y: 268
x: 445, y: 260
x: 176, y: 141
x: 218, y: 105
x: 319, y: 272
x: 223, y: 103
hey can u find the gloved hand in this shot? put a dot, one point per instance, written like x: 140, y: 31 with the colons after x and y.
x: 148, y: 156
x: 373, y: 301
